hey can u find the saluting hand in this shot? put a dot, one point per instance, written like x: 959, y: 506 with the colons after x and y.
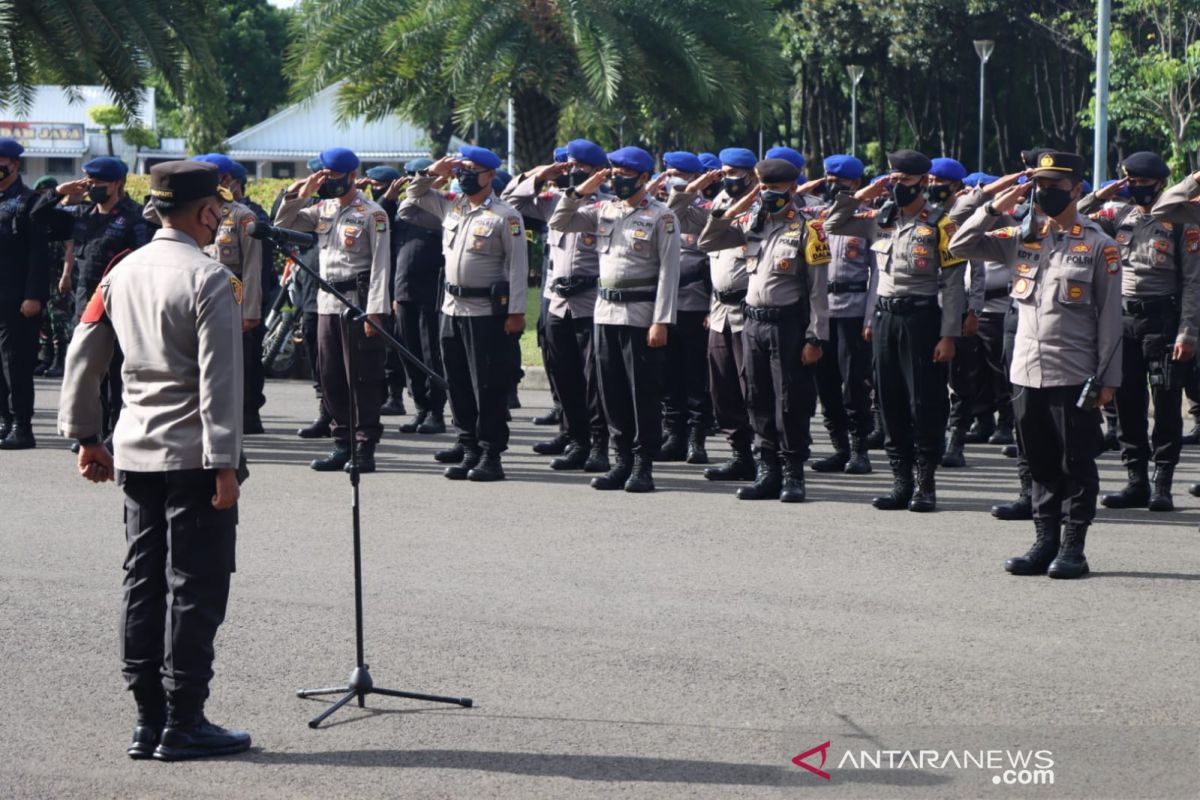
x: 548, y: 172
x: 1007, y: 200
x: 228, y: 491
x: 743, y: 204
x: 443, y: 166
x: 592, y: 184
x: 1000, y: 184
x: 393, y: 190
x: 873, y: 190
x: 73, y: 191
x: 1111, y: 191
x: 808, y: 187
x: 704, y: 181
x: 313, y: 182
x: 95, y: 463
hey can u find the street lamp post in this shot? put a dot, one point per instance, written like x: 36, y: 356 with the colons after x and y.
x: 855, y: 71
x: 1100, y: 142
x: 983, y: 48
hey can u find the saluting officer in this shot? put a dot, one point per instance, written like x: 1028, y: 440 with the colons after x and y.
x: 787, y: 321
x: 487, y: 266
x: 639, y: 242
x: 252, y: 342
x: 913, y: 337
x: 354, y: 254
x: 1066, y: 357
x: 380, y: 180
x: 1160, y: 294
x: 174, y: 311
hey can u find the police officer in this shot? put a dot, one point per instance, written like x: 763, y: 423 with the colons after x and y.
x: 354, y: 253
x: 252, y: 356
x: 379, y: 181
x: 727, y: 179
x: 178, y: 449
x: 60, y: 312
x: 103, y: 222
x: 487, y: 265
x: 1160, y: 294
x: 639, y: 244
x: 787, y: 321
x: 844, y: 374
x: 570, y: 293
x: 1066, y: 360
x: 24, y: 266
x: 913, y: 336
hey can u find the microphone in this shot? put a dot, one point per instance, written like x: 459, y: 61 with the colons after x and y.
x: 262, y: 230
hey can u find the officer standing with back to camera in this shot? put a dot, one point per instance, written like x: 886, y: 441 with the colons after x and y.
x: 487, y: 266
x: 252, y: 349
x: 378, y: 181
x: 174, y: 311
x: 353, y: 238
x: 1160, y: 295
x: 1067, y: 354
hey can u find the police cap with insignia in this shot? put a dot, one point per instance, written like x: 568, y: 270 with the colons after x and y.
x: 947, y: 169
x: 776, y: 170
x: 384, y: 174
x: 418, y: 164
x: 1030, y: 157
x: 710, y: 161
x: 787, y: 154
x: 1052, y: 164
x: 738, y: 157
x: 586, y: 152
x: 479, y: 156
x: 339, y: 159
x: 844, y: 166
x: 909, y: 162
x: 222, y: 162
x: 179, y: 182
x: 1145, y: 165
x: 684, y: 162
x: 634, y: 158
x: 10, y: 148
x: 106, y: 168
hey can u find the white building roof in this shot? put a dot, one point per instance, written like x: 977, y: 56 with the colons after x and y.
x: 53, y: 104
x: 302, y: 130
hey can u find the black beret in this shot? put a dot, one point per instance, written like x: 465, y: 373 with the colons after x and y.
x: 182, y: 181
x: 1145, y: 165
x: 776, y: 170
x: 910, y: 162
x: 1030, y: 157
x: 1051, y: 164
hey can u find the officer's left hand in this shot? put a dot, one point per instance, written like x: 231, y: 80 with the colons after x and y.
x: 1184, y: 351
x: 95, y: 463
x: 227, y: 489
x: 31, y: 308
x: 970, y: 324
x: 944, y: 352
x: 657, y: 335
x: 514, y: 323
x: 810, y: 355
x: 369, y: 331
x: 1106, y: 396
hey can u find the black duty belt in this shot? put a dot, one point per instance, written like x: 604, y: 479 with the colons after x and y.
x: 1149, y: 305
x: 905, y: 305
x: 345, y: 286
x: 773, y: 313
x: 574, y: 284
x: 468, y: 291
x: 846, y: 287
x: 731, y: 298
x: 993, y: 293
x: 628, y: 295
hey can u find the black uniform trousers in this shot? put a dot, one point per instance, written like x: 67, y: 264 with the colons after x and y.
x: 1061, y: 442
x: 1146, y: 346
x: 475, y: 352
x: 571, y: 367
x: 781, y: 393
x: 18, y: 357
x: 394, y: 371
x: 844, y: 379
x: 686, y: 400
x: 333, y: 364
x: 727, y: 383
x: 417, y: 324
x: 909, y: 385
x: 630, y: 375
x: 966, y: 378
x: 252, y: 368
x: 180, y: 554
x: 1010, y: 342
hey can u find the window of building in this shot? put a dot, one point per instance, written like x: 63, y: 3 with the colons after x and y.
x: 60, y: 166
x: 283, y: 170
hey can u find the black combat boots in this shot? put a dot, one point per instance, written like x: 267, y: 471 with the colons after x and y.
x: 1136, y: 493
x: 616, y: 477
x: 575, y: 457
x: 434, y: 422
x: 674, y: 447
x: 875, y: 437
x: 151, y: 717
x: 924, y: 499
x: 1022, y: 507
x: 696, y: 452
x: 841, y: 454
x: 451, y: 455
x: 553, y: 447
x: 416, y: 422
x: 19, y: 438
x: 1039, y: 556
x: 791, y: 488
x: 487, y: 470
x: 860, y: 459
x: 1160, y: 491
x: 980, y: 430
x: 1070, y: 561
x: 366, y: 458
x: 768, y: 479
x: 641, y: 478
x: 319, y: 429
x: 953, y: 457
x: 188, y: 734
x: 470, y: 460
x: 335, y: 461
x: 738, y: 468
x: 597, y: 460
x: 902, y: 487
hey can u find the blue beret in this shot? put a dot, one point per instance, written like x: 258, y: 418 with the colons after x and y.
x: 844, y: 166
x: 502, y: 179
x: 339, y: 159
x: 479, y: 155
x: 738, y: 157
x: 683, y: 161
x: 978, y: 179
x: 223, y: 163
x: 10, y: 148
x: 314, y: 164
x: 787, y: 154
x: 106, y: 168
x: 710, y: 161
x: 418, y: 164
x: 634, y: 158
x: 384, y: 174
x: 1022, y: 179
x: 586, y: 152
x: 1145, y: 165
x: 1124, y: 192
x: 1087, y: 187
x: 239, y: 172
x: 560, y: 155
x: 947, y: 169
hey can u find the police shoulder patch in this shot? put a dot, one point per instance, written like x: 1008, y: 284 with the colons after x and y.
x: 514, y: 226
x: 380, y: 221
x: 1003, y: 233
x: 236, y: 284
x: 1112, y: 259
x: 95, y: 311
x: 668, y: 222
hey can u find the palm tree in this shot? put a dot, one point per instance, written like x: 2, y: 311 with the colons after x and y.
x: 668, y: 69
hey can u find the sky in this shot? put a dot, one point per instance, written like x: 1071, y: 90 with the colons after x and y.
x: 283, y: 3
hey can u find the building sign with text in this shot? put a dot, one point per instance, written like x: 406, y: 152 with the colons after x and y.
x: 67, y: 137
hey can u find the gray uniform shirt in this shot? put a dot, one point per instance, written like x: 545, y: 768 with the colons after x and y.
x: 693, y: 261
x: 726, y: 267
x: 639, y: 250
x: 174, y: 312
x: 352, y: 238
x: 484, y: 245
x: 1067, y: 285
x: 988, y: 287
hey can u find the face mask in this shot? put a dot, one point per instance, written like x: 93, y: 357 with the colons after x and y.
x: 212, y: 229
x: 1143, y: 195
x: 833, y: 189
x: 4, y: 173
x: 97, y: 194
x: 775, y: 202
x: 938, y: 193
x: 1052, y: 201
x: 904, y: 194
x: 711, y: 191
x: 334, y: 187
x: 578, y: 177
x: 469, y: 181
x: 562, y: 181
x: 625, y: 186
x: 377, y: 192
x: 735, y: 187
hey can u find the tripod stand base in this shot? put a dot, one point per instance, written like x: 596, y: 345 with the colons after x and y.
x: 361, y: 685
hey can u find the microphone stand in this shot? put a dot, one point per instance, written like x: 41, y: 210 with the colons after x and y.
x: 360, y: 683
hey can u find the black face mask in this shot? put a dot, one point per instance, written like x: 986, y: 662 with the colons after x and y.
x: 711, y: 191
x: 938, y: 193
x: 212, y: 231
x: 562, y: 181
x: 334, y: 187
x: 97, y: 194
x: 1143, y: 195
x: 469, y: 181
x: 577, y: 177
x: 626, y: 186
x: 1052, y: 201
x: 735, y: 187
x: 377, y: 193
x: 832, y: 189
x: 904, y: 194
x: 775, y: 202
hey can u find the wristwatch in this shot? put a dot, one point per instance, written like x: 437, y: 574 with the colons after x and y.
x: 814, y: 341
x: 87, y: 441
x: 990, y: 209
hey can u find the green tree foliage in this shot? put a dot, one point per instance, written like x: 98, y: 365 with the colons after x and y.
x: 106, y: 118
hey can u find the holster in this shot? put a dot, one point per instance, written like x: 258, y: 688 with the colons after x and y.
x: 500, y: 298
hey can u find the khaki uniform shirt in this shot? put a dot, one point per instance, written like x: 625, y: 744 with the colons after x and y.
x: 352, y: 238
x: 639, y: 251
x: 174, y: 312
x: 1067, y: 285
x: 727, y: 266
x: 484, y: 245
